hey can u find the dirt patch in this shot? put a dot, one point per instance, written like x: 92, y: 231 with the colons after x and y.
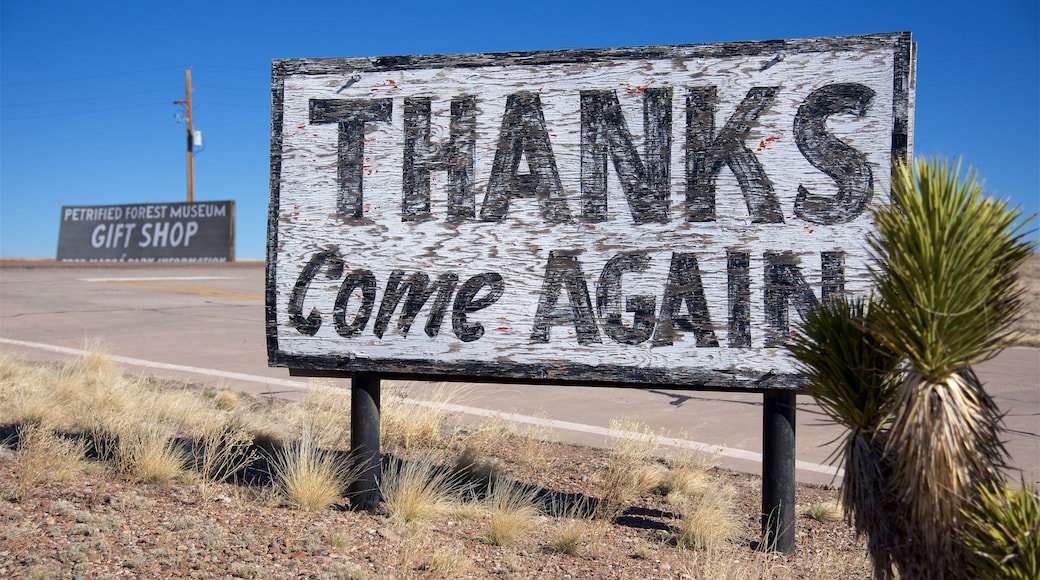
x: 98, y: 526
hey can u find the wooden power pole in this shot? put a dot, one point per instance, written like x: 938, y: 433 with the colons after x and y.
x: 191, y: 136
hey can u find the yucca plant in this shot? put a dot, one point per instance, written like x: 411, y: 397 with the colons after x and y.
x: 896, y: 370
x: 946, y: 281
x: 1003, y: 532
x: 851, y: 377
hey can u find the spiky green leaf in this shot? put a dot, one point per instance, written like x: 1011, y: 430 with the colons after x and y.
x: 946, y: 259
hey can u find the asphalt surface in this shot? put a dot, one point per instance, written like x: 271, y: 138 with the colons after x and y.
x: 205, y: 323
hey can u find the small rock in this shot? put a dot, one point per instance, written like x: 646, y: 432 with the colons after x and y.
x: 388, y: 534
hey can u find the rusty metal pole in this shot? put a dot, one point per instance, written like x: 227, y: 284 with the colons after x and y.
x: 778, y: 458
x: 364, y: 439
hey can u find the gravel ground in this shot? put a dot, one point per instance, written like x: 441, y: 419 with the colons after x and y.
x: 96, y: 525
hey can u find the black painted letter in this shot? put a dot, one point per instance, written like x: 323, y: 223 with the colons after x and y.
x: 707, y: 152
x: 848, y: 167
x: 419, y: 291
x: 563, y: 269
x: 684, y: 285
x: 645, y: 180
x: 351, y: 115
x: 738, y: 281
x: 523, y: 134
x: 421, y: 156
x: 466, y: 303
x: 366, y: 280
x: 312, y: 322
x: 785, y: 286
x: 608, y: 301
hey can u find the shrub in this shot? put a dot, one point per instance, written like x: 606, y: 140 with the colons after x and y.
x: 1003, y: 532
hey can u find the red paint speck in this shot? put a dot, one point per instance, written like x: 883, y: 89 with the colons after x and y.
x: 764, y: 143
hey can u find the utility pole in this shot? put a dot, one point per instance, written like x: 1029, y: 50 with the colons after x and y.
x: 191, y: 137
x: 191, y: 134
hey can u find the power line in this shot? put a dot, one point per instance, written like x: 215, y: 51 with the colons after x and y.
x: 86, y: 112
x: 66, y: 80
x: 90, y: 98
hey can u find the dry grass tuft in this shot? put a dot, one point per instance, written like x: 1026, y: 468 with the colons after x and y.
x: 629, y: 473
x: 308, y: 477
x: 418, y: 490
x: 573, y: 529
x: 24, y: 398
x: 409, y: 422
x: 569, y: 537
x: 512, y: 510
x: 42, y: 457
x: 446, y: 562
x: 688, y: 473
x: 226, y: 400
x: 223, y: 446
x: 325, y: 413
x: 146, y: 452
x: 824, y: 511
x: 710, y: 520
x: 96, y: 366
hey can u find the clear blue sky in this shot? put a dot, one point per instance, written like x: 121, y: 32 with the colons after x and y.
x: 88, y: 87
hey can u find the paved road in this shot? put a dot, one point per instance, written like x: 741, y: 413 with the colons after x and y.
x: 206, y: 323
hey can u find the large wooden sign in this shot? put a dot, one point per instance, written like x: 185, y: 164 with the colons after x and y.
x: 657, y: 215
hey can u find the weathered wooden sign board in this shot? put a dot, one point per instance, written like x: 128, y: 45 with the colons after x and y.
x: 658, y: 215
x: 148, y: 232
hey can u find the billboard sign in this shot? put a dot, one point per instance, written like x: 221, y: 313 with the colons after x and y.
x: 657, y: 215
x: 148, y: 232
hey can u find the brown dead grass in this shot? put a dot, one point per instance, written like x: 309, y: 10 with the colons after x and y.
x: 508, y: 515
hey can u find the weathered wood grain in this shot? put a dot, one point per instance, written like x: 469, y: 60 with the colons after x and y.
x: 656, y: 215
